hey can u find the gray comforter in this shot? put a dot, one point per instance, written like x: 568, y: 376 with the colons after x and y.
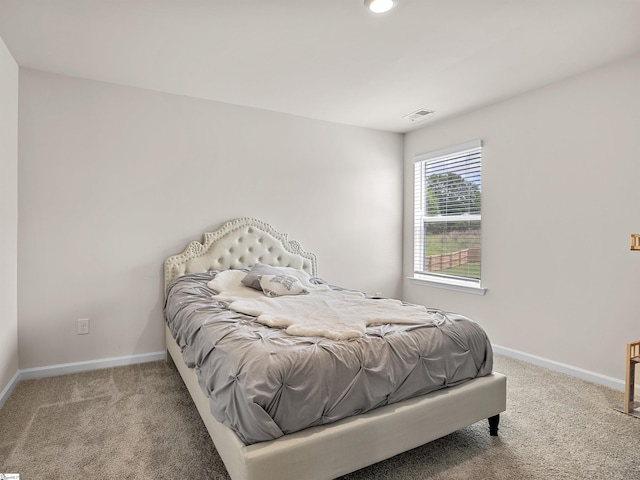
x: 264, y: 383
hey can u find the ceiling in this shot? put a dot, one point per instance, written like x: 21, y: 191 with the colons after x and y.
x: 325, y: 59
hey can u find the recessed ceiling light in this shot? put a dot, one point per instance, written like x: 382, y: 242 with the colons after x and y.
x: 380, y: 6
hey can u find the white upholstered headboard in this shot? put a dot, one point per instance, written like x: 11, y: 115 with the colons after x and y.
x: 240, y: 243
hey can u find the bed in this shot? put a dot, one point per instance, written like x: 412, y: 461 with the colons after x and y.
x: 322, y: 451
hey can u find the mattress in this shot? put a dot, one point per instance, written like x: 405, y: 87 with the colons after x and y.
x: 264, y: 383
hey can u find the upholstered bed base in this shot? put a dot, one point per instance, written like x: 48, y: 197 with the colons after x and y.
x: 329, y: 451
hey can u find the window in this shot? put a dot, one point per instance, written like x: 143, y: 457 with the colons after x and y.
x: 447, y: 217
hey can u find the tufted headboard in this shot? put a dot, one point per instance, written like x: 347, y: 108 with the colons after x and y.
x: 240, y: 243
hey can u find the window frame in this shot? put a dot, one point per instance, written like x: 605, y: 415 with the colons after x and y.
x: 463, y: 284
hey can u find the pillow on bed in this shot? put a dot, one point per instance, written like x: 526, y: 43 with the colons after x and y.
x: 279, y: 285
x: 226, y: 279
x: 252, y: 279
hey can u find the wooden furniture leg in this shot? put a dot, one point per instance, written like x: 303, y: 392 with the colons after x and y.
x: 633, y: 358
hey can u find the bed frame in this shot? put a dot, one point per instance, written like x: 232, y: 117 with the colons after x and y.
x: 327, y: 451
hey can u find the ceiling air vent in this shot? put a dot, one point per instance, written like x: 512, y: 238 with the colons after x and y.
x: 420, y: 115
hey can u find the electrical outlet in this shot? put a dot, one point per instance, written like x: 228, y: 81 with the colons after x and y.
x: 83, y: 326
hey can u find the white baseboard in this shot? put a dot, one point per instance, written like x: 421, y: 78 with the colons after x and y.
x: 561, y: 367
x: 63, y: 369
x: 9, y: 388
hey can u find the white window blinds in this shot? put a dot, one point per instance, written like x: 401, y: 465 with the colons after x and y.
x: 447, y: 214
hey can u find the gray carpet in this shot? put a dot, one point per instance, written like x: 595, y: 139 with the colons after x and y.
x: 138, y: 422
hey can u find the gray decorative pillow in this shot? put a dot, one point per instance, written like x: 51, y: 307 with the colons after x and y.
x: 279, y: 285
x: 252, y: 279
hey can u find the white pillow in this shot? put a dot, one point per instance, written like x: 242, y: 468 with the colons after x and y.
x: 226, y: 280
x: 278, y: 285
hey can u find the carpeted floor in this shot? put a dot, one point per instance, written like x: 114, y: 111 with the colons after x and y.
x: 138, y: 422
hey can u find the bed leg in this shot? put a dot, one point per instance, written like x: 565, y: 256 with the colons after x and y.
x: 493, y: 425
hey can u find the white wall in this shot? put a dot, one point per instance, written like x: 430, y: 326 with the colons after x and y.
x: 561, y: 195
x: 114, y: 179
x: 8, y: 216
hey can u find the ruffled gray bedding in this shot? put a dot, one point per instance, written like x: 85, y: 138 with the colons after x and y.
x: 264, y: 383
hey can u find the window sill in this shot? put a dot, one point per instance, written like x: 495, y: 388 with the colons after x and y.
x: 449, y: 284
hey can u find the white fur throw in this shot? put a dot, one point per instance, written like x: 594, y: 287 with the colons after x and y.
x: 338, y: 315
